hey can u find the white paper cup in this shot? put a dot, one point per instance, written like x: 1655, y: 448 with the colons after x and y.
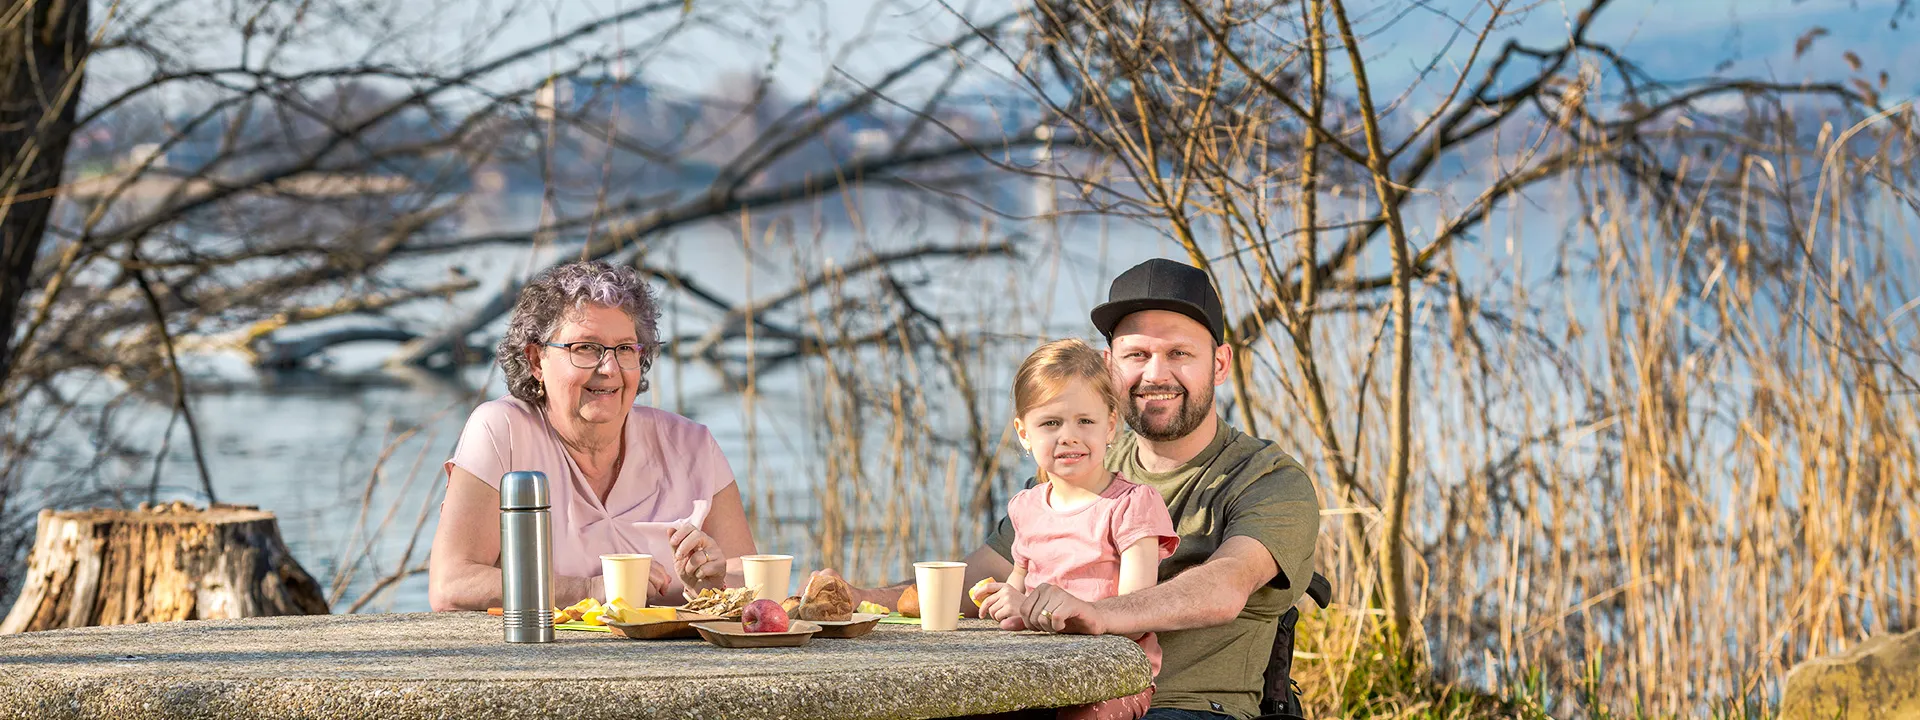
x: 939, y: 586
x: 768, y: 575
x: 626, y: 577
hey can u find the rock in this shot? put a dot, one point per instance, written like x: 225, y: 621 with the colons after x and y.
x: 453, y: 666
x: 1878, y: 679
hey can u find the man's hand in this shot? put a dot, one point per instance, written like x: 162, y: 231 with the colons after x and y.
x: 860, y: 594
x: 982, y: 563
x: 1051, y: 609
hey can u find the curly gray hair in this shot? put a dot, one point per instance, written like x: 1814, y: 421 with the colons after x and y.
x: 561, y: 292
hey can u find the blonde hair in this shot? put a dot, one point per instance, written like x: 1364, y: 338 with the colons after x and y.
x: 1049, y: 371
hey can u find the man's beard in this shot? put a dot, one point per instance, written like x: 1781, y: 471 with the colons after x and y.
x: 1185, y: 418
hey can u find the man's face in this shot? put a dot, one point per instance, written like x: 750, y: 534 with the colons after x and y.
x: 1167, y: 365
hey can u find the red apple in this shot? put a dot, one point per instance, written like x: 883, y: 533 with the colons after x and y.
x: 764, y: 616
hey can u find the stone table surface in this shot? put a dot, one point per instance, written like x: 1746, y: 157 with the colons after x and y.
x: 455, y: 665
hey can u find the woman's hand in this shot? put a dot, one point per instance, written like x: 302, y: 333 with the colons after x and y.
x: 697, y: 558
x: 659, y: 579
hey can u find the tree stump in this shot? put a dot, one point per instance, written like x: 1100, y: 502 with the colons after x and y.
x: 173, y: 562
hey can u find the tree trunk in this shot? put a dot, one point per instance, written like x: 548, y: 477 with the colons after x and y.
x: 174, y: 562
x: 42, y: 44
x: 1394, y: 578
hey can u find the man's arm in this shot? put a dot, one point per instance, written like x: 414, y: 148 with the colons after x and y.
x: 982, y: 563
x: 1210, y: 594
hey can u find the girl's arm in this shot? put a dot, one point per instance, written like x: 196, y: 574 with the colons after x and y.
x: 1018, y: 579
x: 1140, y: 565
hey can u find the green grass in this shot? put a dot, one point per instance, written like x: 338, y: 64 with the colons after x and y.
x: 1346, y: 669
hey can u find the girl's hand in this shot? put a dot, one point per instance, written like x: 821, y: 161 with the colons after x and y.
x: 1051, y: 609
x: 697, y: 558
x: 1003, y: 606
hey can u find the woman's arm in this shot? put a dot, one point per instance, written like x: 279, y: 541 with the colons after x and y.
x: 463, y: 572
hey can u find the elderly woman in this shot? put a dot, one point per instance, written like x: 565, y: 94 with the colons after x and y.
x: 622, y: 478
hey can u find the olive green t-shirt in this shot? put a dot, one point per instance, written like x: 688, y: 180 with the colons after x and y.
x: 1239, y: 485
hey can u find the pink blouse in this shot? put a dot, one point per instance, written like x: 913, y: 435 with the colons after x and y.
x: 672, y: 470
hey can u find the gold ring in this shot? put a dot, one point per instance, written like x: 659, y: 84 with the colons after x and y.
x: 1048, y: 614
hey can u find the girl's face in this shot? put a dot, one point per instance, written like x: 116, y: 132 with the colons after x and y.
x: 602, y: 394
x: 1068, y: 435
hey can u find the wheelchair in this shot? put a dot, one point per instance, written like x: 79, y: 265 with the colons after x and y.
x: 1280, y: 700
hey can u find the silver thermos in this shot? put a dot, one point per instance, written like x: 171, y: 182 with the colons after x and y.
x: 526, y: 558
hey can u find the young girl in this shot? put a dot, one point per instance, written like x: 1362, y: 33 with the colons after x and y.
x: 1081, y: 527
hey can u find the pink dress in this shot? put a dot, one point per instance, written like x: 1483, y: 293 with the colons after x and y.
x: 1078, y: 550
x: 672, y: 470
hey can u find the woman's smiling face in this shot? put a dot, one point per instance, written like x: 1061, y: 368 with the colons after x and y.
x: 600, y: 394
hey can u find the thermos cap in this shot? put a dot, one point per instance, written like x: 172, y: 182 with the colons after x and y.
x: 523, y: 490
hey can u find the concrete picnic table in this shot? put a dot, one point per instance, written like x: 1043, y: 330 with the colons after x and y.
x: 454, y: 665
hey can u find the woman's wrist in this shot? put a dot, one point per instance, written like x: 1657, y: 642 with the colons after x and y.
x: 568, y: 590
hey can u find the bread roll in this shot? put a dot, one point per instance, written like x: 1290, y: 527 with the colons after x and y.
x: 910, y: 602
x: 825, y: 598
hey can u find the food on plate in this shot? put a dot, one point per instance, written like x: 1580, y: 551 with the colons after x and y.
x: 910, y: 602
x: 873, y: 608
x: 763, y: 616
x: 720, y: 603
x: 978, y: 593
x: 560, y: 614
x: 577, y: 611
x: 826, y: 598
x: 616, y: 610
x: 635, y: 616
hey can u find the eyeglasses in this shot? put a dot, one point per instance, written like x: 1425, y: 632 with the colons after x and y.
x: 589, y: 355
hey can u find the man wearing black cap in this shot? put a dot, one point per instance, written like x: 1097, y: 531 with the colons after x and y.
x: 1246, y: 512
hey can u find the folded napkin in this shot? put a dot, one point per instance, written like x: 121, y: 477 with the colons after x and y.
x: 898, y: 619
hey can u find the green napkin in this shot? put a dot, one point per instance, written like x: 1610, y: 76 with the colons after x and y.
x: 898, y: 619
x: 577, y: 625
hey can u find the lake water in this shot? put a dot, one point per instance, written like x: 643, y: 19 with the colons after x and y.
x: 311, y: 446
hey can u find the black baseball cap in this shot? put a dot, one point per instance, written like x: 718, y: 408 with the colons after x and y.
x: 1161, y: 284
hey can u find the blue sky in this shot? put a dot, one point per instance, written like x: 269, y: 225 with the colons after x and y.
x: 1674, y: 38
